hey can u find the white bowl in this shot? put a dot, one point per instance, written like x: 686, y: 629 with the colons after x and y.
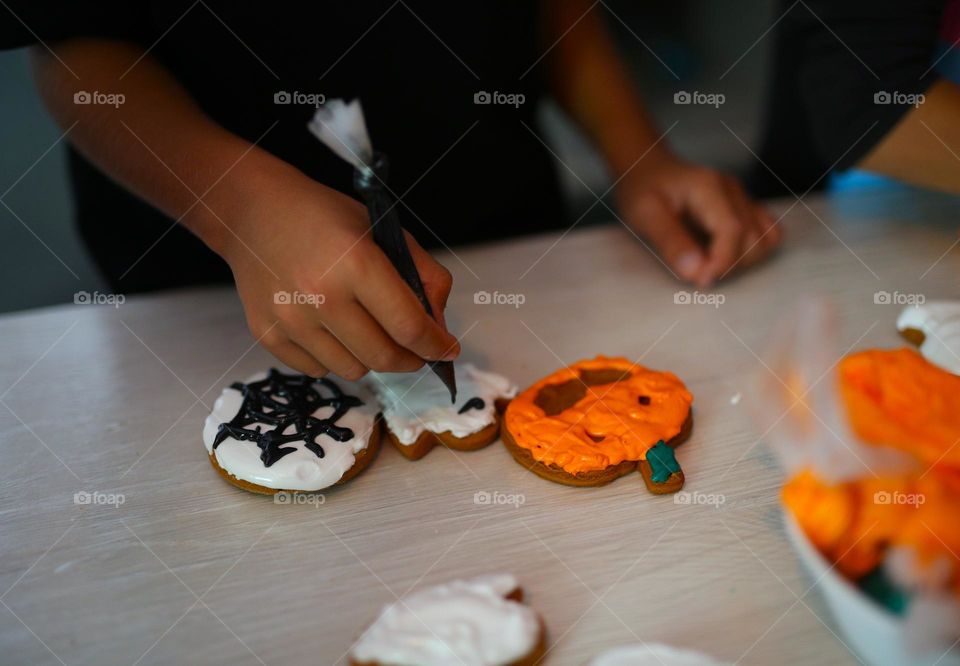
x: 876, y: 634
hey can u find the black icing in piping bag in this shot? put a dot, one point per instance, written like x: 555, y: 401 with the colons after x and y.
x: 341, y: 127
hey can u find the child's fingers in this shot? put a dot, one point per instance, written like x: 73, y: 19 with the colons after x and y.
x: 437, y: 280
x: 670, y: 237
x: 329, y: 351
x: 296, y: 357
x: 369, y: 342
x: 772, y: 229
x: 754, y: 246
x: 713, y: 209
x: 393, y: 304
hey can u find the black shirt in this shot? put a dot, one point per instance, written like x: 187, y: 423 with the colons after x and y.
x: 416, y: 66
x: 844, y: 72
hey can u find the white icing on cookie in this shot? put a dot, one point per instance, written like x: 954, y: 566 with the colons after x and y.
x: 652, y: 654
x: 939, y: 321
x: 302, y: 469
x: 465, y: 622
x: 414, y: 402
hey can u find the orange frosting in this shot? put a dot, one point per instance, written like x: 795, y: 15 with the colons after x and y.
x: 611, y: 423
x: 853, y: 523
x: 900, y: 399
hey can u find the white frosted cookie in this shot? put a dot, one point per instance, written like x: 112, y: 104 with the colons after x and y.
x: 469, y: 622
x: 418, y: 413
x: 652, y: 654
x: 291, y: 432
x: 935, y: 327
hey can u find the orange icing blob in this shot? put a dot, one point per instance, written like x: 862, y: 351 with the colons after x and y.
x: 610, y: 423
x: 894, y: 398
x: 900, y: 399
x: 854, y: 523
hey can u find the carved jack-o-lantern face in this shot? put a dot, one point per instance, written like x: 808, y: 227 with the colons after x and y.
x: 598, y: 413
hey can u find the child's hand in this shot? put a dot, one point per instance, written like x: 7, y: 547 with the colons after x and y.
x: 662, y: 203
x: 320, y: 295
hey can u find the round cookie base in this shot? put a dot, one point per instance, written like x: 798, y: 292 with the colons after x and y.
x: 914, y: 336
x: 596, y: 477
x: 360, y: 463
x: 532, y: 658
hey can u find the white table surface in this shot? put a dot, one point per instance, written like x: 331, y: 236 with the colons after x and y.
x: 191, y: 570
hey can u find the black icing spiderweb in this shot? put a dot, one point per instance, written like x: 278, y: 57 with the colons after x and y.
x: 282, y: 401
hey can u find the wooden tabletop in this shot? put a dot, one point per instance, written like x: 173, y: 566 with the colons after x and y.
x: 172, y: 565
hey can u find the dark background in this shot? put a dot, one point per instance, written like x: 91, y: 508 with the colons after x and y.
x: 699, y: 40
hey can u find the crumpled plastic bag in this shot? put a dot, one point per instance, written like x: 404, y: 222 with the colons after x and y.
x: 796, y: 405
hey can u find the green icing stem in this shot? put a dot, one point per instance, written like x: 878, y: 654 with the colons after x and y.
x: 880, y: 588
x: 663, y: 462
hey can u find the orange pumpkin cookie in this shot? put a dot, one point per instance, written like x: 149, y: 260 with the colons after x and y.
x: 597, y: 420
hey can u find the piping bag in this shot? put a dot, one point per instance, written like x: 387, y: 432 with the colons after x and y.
x: 341, y: 127
x: 796, y: 403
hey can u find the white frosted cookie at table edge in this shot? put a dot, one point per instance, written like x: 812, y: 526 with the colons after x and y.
x: 418, y: 402
x: 653, y: 654
x: 939, y: 323
x: 469, y: 622
x: 327, y: 426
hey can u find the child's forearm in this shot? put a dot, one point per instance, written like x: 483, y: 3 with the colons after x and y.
x: 659, y: 195
x: 154, y: 139
x: 279, y: 230
x: 924, y: 147
x: 591, y: 84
